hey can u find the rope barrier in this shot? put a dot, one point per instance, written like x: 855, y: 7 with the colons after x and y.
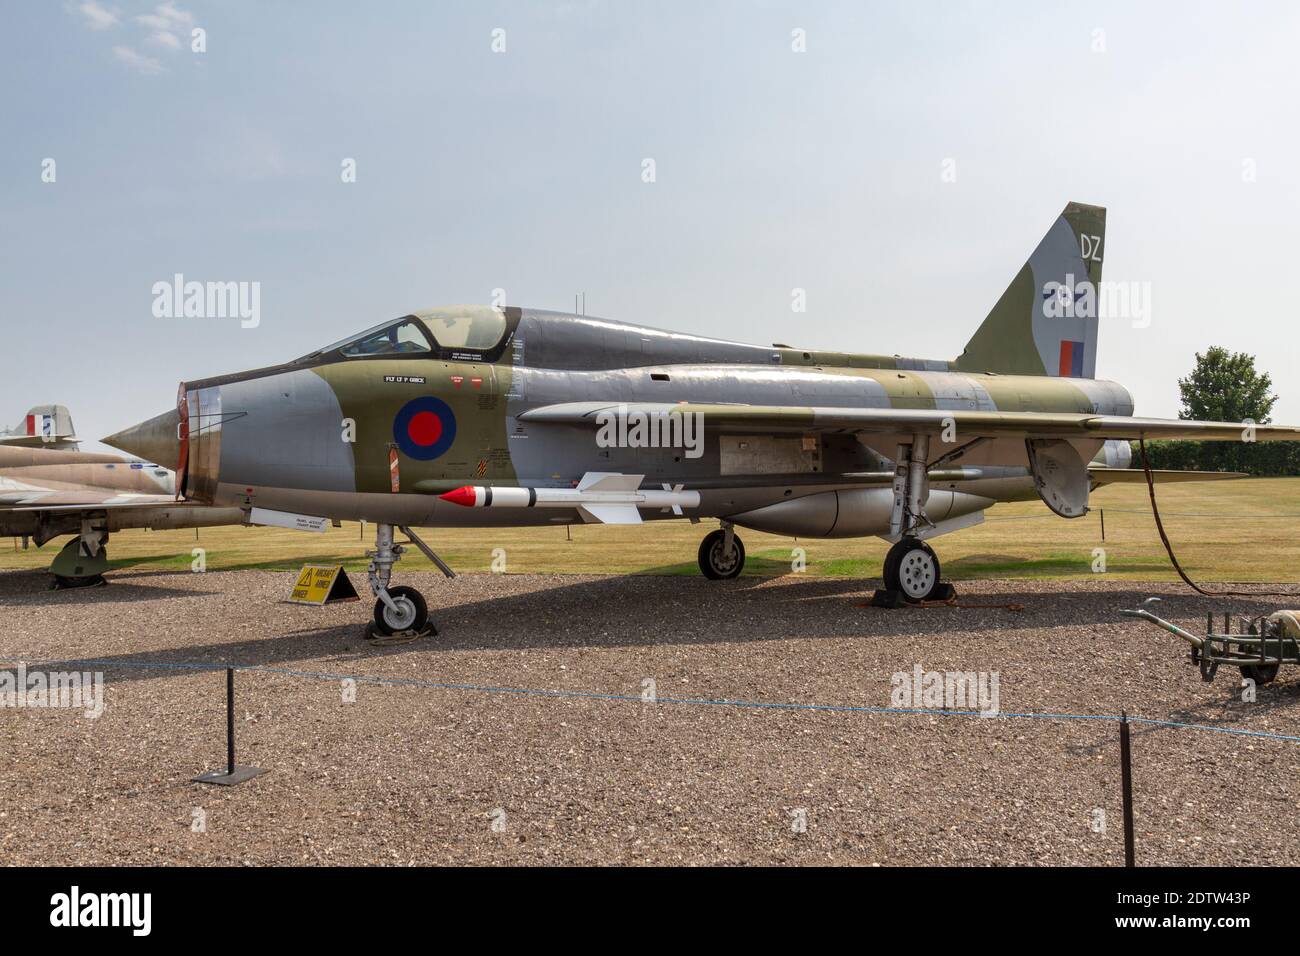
x: 631, y: 698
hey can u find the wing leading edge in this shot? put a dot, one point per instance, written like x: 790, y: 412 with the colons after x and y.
x: 967, y: 423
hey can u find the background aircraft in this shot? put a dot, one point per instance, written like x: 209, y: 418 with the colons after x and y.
x: 45, y: 426
x: 481, y: 416
x: 48, y: 489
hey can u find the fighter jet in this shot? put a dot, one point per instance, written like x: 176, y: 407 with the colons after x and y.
x: 48, y: 489
x: 508, y: 416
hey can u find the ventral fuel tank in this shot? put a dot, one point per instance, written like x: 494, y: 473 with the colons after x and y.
x: 851, y: 514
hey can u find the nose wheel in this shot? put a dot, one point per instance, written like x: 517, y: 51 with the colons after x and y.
x: 408, y: 612
x: 721, y: 555
x: 401, y: 610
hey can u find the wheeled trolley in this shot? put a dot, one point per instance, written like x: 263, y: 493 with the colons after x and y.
x: 1260, y: 646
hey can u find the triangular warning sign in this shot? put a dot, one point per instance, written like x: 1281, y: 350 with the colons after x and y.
x: 342, y: 589
x: 322, y: 584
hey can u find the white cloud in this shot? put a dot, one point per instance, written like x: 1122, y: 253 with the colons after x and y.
x: 166, y: 21
x: 95, y: 17
x: 163, y: 26
x: 164, y: 38
x: 137, y: 61
x: 166, y: 16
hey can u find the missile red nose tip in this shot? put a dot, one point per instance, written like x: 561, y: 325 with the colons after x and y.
x: 461, y: 496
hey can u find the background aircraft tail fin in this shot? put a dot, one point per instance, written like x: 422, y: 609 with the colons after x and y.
x: 44, y: 426
x: 1046, y: 321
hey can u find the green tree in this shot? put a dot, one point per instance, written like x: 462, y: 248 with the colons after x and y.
x: 1225, y: 387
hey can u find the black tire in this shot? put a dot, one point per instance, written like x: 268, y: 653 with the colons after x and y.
x: 913, y: 570
x: 406, y: 597
x: 1260, y: 673
x: 889, y: 572
x: 62, y: 583
x: 714, y: 562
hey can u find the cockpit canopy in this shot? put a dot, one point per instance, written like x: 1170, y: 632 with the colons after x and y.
x: 471, y: 328
x: 395, y: 338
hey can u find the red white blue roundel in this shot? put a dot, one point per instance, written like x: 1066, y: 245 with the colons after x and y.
x: 424, y: 428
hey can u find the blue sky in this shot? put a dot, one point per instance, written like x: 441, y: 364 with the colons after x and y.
x: 522, y: 171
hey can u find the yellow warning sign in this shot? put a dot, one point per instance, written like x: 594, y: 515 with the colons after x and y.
x: 322, y: 584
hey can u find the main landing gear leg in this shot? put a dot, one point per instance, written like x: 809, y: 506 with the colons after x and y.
x: 912, y: 572
x: 401, y: 609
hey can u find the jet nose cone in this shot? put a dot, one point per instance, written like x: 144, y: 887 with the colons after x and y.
x: 154, y: 440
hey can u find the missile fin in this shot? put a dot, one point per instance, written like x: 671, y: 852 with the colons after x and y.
x: 609, y: 481
x: 610, y: 514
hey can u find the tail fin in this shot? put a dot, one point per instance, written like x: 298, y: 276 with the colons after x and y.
x: 1046, y: 321
x: 45, y: 426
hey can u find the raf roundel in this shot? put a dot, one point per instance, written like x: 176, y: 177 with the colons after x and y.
x: 424, y: 428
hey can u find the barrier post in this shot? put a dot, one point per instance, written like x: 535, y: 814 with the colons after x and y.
x: 233, y: 773
x: 1126, y: 783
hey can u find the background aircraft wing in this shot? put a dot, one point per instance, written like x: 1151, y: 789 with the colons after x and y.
x: 87, y: 500
x: 967, y: 423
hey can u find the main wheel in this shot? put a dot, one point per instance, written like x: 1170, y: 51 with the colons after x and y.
x: 912, y: 569
x: 717, y: 563
x: 412, y: 613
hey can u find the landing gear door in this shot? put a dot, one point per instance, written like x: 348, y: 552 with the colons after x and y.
x: 1060, y: 476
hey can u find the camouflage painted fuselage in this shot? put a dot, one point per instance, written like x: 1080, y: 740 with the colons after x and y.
x: 462, y: 401
x: 324, y: 435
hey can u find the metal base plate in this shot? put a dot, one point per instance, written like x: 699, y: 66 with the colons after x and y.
x: 223, y: 779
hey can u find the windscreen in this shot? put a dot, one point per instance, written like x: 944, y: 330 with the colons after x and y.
x: 474, y: 327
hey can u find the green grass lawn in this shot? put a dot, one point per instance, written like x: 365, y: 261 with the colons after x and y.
x: 1247, y: 530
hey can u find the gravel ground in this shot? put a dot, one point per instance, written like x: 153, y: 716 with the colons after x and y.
x: 427, y: 775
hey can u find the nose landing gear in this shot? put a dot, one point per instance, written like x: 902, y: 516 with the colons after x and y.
x: 401, y: 610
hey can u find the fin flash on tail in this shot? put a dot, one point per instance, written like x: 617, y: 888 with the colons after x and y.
x: 45, y: 426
